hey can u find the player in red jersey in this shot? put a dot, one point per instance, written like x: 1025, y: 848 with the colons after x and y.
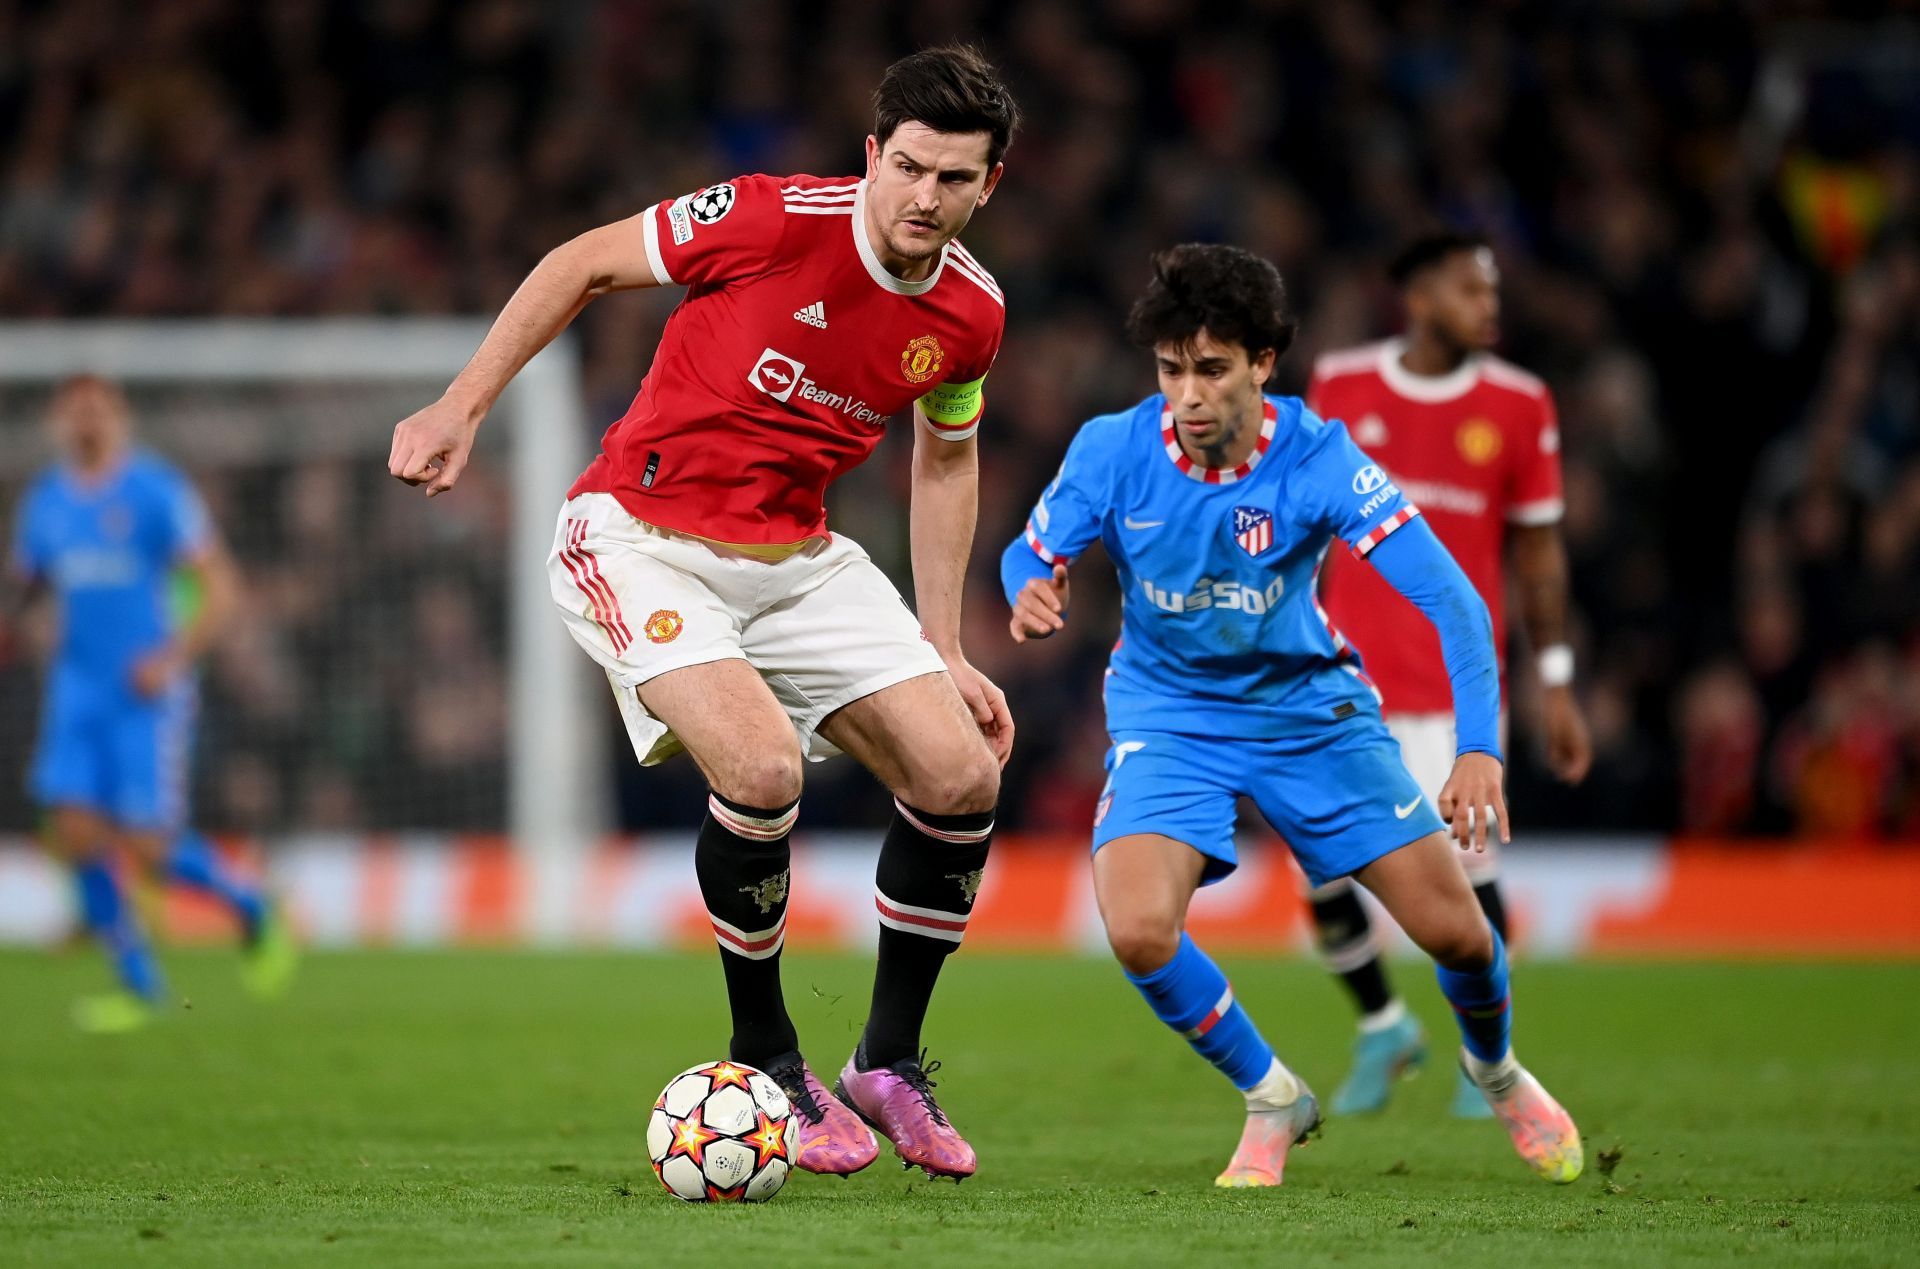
x: 693, y: 561
x: 1475, y: 441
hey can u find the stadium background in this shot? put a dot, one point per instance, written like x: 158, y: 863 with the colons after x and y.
x: 1706, y: 216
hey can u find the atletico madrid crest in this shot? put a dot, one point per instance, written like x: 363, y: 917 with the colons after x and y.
x: 1252, y: 529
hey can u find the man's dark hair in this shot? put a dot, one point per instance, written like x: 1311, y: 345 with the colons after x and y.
x: 950, y: 89
x: 1430, y: 249
x: 1231, y: 293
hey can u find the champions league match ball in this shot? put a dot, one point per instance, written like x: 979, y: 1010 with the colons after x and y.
x: 722, y: 1133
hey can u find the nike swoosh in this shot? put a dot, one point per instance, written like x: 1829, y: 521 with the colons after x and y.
x: 1401, y: 812
x: 1132, y: 523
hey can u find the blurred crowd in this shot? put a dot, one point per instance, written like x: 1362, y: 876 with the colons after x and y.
x: 364, y: 685
x: 1707, y: 212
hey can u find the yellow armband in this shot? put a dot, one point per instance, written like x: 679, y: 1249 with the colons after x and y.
x: 953, y: 407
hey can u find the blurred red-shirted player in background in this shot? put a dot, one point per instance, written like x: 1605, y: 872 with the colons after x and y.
x: 1474, y: 442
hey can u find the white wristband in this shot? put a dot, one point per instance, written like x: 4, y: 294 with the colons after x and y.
x: 1556, y: 665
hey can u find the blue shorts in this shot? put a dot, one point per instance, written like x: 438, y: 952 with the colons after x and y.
x: 119, y: 755
x: 1340, y: 796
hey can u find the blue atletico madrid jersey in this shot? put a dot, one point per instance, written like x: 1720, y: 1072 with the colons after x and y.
x: 1221, y: 632
x: 108, y: 549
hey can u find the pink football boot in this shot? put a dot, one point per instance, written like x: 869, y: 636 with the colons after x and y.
x: 1261, y: 1159
x: 898, y: 1102
x: 1542, y: 1131
x: 832, y: 1140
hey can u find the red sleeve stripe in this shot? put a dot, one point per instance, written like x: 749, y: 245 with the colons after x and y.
x: 1366, y: 682
x: 820, y: 191
x: 1364, y: 547
x: 1040, y: 548
x: 1340, y: 645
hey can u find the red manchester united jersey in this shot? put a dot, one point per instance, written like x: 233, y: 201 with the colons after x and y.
x: 1476, y: 450
x: 789, y: 354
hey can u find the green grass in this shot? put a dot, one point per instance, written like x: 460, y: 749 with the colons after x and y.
x: 479, y: 1108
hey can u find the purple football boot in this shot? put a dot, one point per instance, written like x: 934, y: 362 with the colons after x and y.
x: 897, y: 1101
x: 831, y: 1138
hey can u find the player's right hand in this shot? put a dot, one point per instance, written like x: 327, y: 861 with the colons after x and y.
x: 1041, y: 607
x: 1472, y: 798
x: 1569, y: 747
x: 155, y: 672
x: 430, y: 446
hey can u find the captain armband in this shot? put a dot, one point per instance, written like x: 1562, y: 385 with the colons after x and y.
x: 953, y: 409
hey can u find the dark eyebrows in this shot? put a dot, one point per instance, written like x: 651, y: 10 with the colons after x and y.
x: 964, y: 173
x: 1200, y: 364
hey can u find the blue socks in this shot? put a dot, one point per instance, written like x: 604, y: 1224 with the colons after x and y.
x: 113, y: 923
x: 194, y: 862
x: 1191, y: 995
x: 1482, y: 1005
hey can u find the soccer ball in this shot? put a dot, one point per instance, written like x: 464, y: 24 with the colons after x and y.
x: 722, y: 1133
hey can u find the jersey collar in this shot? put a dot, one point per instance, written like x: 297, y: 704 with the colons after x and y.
x: 1430, y: 389
x: 107, y: 478
x: 876, y: 270
x: 1269, y: 421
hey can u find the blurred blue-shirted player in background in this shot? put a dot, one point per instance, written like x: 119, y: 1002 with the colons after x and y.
x: 1217, y: 505
x: 106, y: 531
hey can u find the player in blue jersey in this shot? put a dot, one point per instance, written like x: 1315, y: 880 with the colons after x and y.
x: 1217, y: 504
x: 105, y: 532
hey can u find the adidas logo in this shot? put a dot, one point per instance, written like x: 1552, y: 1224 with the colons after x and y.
x: 814, y: 315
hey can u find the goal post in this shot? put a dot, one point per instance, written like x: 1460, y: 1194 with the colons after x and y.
x: 556, y: 802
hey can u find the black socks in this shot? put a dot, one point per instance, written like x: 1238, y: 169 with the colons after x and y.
x: 929, y: 875
x: 743, y: 858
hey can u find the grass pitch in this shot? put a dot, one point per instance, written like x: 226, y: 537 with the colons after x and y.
x: 488, y: 1108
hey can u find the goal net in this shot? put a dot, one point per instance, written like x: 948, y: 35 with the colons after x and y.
x: 394, y: 665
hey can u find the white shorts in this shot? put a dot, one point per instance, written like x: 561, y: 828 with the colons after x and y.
x: 1428, y: 747
x: 824, y: 627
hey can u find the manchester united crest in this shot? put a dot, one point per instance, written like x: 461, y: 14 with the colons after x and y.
x: 1478, y: 441
x: 664, y: 625
x: 922, y: 359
